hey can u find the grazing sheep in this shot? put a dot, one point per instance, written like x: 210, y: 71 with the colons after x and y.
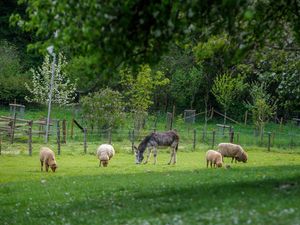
x: 213, y: 157
x: 104, y: 153
x: 47, y: 156
x: 234, y: 151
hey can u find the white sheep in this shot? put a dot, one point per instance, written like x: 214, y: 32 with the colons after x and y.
x: 47, y: 157
x: 104, y: 153
x: 236, y: 152
x: 214, y: 158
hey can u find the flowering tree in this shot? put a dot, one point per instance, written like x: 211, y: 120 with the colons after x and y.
x: 63, y: 89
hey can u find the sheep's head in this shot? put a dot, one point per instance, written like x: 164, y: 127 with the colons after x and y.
x: 138, y: 155
x: 243, y: 157
x: 104, y: 160
x: 53, y: 167
x: 104, y: 163
x: 219, y: 164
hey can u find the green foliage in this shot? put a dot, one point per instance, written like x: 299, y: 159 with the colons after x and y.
x: 135, y: 32
x: 280, y: 71
x: 139, y: 90
x: 63, y: 90
x: 104, y: 109
x: 227, y: 89
x: 185, y: 85
x: 206, y: 50
x: 12, y: 78
x: 262, y: 106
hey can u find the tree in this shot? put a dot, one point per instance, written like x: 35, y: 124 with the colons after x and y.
x: 226, y: 89
x: 262, y: 107
x: 136, y: 32
x: 185, y: 85
x: 104, y: 108
x: 139, y: 90
x: 63, y: 89
x: 12, y: 77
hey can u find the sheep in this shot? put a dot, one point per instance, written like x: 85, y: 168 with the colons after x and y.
x: 47, y: 156
x: 234, y: 151
x: 213, y: 157
x: 104, y: 153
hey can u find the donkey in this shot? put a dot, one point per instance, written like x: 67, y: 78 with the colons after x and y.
x: 152, y: 141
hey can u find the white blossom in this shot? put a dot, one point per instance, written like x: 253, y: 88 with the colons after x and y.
x: 63, y: 89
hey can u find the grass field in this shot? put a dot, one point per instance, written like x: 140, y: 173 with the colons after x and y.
x: 266, y: 190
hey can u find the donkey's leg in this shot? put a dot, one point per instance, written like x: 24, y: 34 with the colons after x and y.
x: 155, y: 155
x: 172, y: 155
x: 148, y: 155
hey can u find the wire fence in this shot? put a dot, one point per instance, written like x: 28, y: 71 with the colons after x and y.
x: 24, y: 135
x: 191, y: 139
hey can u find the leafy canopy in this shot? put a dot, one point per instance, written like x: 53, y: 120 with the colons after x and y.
x: 137, y: 32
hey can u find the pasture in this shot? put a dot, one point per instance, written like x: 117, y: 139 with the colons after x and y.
x: 263, y: 191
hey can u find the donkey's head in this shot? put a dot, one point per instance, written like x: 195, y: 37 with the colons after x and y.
x: 138, y: 155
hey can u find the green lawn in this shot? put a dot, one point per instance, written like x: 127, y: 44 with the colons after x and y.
x: 266, y: 190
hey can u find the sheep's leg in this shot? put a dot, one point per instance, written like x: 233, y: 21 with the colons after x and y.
x: 210, y: 164
x: 42, y: 165
x: 155, y: 155
x: 207, y: 162
x: 148, y: 155
x: 47, y: 167
x: 99, y: 163
x: 232, y: 159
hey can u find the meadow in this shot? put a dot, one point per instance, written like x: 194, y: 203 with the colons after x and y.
x: 263, y: 191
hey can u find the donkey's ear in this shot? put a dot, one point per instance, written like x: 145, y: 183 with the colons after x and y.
x: 134, y: 149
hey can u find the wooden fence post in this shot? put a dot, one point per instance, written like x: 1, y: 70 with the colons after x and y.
x: 0, y: 142
x: 269, y: 141
x: 194, y: 140
x: 231, y: 136
x: 30, y: 138
x: 132, y: 141
x: 58, y: 137
x: 109, y: 135
x: 72, y: 128
x: 203, y: 135
x: 64, y: 126
x: 84, y: 140
x: 12, y: 129
x: 213, y: 138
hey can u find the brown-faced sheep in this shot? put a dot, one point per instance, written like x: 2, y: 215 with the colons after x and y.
x: 214, y: 158
x: 47, y: 157
x: 234, y: 151
x: 104, y: 153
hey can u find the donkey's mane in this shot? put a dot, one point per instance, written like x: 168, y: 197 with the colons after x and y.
x: 144, y: 142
